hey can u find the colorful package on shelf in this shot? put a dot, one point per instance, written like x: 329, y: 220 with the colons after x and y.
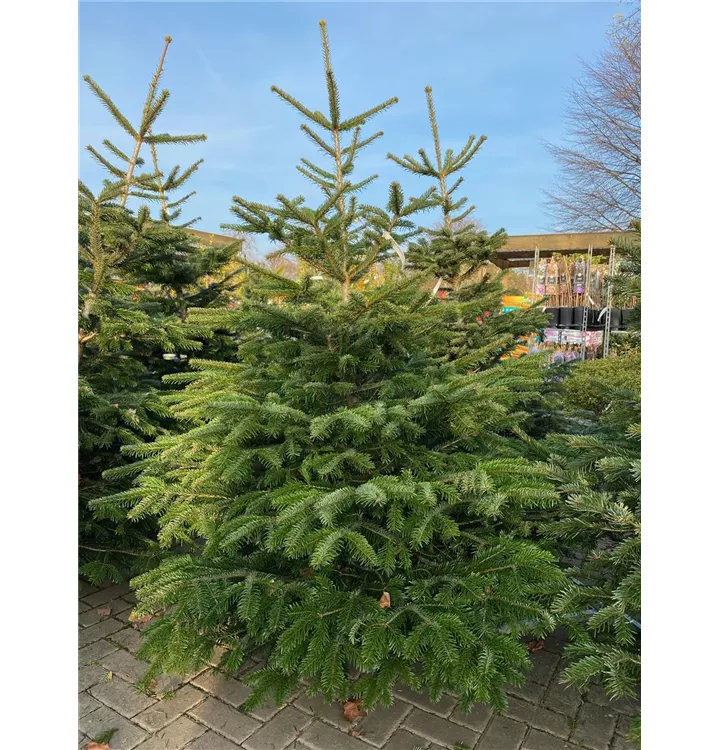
x: 541, y: 281
x: 552, y: 335
x: 594, y: 338
x: 569, y: 336
x: 511, y: 302
x: 579, y: 277
x: 526, y: 345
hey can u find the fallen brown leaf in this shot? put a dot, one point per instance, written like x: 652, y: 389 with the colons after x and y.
x: 353, y: 710
x: 97, y: 746
x: 385, y: 600
x: 356, y: 732
x: 536, y: 645
x: 104, y: 612
x: 138, y: 620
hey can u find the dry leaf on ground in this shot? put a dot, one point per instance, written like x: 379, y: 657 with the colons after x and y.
x: 97, y: 746
x: 356, y: 732
x: 137, y: 620
x: 385, y: 600
x: 353, y: 710
x: 104, y: 612
x: 536, y: 645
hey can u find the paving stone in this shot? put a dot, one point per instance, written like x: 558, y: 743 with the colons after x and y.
x: 92, y: 615
x: 595, y: 726
x: 103, y: 719
x: 541, y: 718
x: 85, y: 704
x: 439, y: 730
x: 443, y: 708
x: 404, y: 740
x: 130, y: 597
x: 476, y: 720
x: 127, y: 638
x: 85, y: 589
x: 544, y: 665
x: 98, y: 631
x: 217, y: 655
x: 106, y: 595
x: 380, y: 723
x: 170, y: 683
x: 333, y: 713
x: 562, y: 698
x: 629, y: 706
x: 82, y: 740
x: 89, y: 676
x: 82, y: 607
x: 502, y: 734
x: 168, y: 709
x: 94, y: 652
x: 229, y: 690
x: 280, y: 731
x: 124, y: 665
x: 536, y: 740
x: 319, y: 736
x: 621, y: 743
x: 121, y: 696
x: 556, y: 641
x: 247, y: 665
x: 530, y: 691
x: 269, y: 708
x: 174, y: 736
x: 225, y: 720
x: 211, y: 741
x: 624, y: 725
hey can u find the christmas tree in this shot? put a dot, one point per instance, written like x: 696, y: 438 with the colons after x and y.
x: 137, y: 275
x: 353, y: 499
x: 599, y: 528
x: 457, y: 251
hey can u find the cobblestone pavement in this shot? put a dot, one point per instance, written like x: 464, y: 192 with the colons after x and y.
x: 200, y: 711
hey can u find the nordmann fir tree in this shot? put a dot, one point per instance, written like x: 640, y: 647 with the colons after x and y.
x: 131, y: 271
x: 598, y: 528
x: 599, y: 478
x: 354, y: 501
x: 457, y: 251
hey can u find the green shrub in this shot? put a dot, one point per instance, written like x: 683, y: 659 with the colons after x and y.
x: 592, y: 385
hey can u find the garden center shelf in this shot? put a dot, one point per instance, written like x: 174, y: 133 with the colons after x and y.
x: 571, y: 276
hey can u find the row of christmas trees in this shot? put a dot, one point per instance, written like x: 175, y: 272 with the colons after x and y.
x: 345, y: 475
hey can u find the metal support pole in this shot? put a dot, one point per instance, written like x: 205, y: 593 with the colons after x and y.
x: 609, y: 299
x: 584, y: 320
x: 534, y: 286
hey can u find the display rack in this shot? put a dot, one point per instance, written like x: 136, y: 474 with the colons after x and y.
x: 528, y: 252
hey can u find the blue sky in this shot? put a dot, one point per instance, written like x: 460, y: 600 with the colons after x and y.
x: 499, y: 69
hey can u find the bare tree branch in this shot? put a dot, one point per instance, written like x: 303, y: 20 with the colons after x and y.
x: 599, y: 180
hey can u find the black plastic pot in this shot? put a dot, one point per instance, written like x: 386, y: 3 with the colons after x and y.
x: 553, y: 313
x: 626, y: 317
x: 615, y: 318
x: 565, y: 317
x: 578, y: 317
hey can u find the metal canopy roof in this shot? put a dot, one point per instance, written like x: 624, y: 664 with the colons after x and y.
x: 518, y: 251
